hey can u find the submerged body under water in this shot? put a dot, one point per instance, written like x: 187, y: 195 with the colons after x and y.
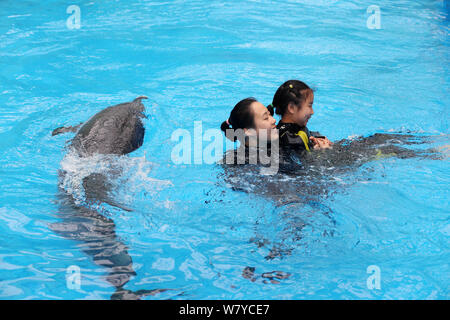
x: 86, y: 220
x: 307, y: 178
x: 311, y: 174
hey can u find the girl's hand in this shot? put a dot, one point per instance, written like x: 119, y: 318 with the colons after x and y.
x: 321, y: 143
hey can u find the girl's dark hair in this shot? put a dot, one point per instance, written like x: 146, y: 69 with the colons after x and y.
x: 241, y: 117
x: 292, y: 91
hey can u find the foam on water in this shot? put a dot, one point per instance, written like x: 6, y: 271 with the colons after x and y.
x: 129, y: 174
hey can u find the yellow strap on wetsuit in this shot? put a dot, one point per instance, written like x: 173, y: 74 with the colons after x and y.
x: 302, y: 134
x: 381, y: 155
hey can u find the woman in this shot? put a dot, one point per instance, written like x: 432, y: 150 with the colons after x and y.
x: 251, y: 123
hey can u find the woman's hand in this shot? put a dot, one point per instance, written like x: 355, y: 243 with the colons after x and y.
x: 321, y: 143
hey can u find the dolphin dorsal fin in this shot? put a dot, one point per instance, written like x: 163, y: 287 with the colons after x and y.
x: 140, y: 98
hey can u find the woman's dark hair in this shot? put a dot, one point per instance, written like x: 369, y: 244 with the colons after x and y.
x: 241, y: 117
x: 292, y: 91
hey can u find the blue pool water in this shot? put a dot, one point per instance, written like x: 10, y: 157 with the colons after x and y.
x: 189, y: 230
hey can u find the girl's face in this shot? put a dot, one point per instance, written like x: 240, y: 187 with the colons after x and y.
x: 302, y: 114
x: 264, y: 122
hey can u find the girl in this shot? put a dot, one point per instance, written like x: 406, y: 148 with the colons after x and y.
x: 293, y: 101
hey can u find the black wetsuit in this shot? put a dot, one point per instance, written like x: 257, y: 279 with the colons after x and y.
x: 248, y: 155
x: 291, y: 139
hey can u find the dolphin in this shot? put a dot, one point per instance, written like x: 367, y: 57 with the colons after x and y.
x: 116, y: 130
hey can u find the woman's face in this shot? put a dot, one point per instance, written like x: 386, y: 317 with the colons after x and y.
x: 264, y: 122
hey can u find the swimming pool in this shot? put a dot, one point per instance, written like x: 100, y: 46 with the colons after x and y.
x: 189, y: 231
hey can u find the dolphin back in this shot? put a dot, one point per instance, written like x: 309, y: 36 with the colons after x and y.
x: 115, y: 130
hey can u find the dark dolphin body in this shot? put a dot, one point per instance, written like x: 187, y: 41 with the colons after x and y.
x: 116, y: 130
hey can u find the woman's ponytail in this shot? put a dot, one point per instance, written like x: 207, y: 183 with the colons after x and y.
x: 241, y: 117
x: 225, y: 126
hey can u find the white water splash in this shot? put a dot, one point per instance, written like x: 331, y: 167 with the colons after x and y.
x: 125, y: 172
